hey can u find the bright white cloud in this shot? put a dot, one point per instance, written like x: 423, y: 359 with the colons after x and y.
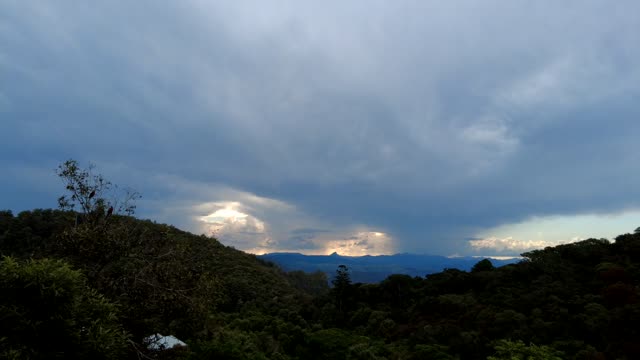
x: 232, y: 226
x: 229, y: 220
x: 508, y: 244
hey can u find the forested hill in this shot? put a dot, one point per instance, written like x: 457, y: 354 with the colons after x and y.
x: 94, y: 290
x: 164, y: 280
x: 373, y: 269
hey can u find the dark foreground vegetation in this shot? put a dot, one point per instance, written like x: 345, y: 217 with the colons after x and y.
x: 82, y: 283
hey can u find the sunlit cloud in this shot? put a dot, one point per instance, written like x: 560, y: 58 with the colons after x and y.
x: 234, y: 227
x: 238, y: 223
x: 508, y: 244
x: 229, y: 219
x: 358, y: 244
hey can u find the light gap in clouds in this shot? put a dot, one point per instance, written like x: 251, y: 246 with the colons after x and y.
x: 540, y: 232
x: 237, y: 223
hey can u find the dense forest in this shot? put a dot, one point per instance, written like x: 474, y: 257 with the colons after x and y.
x: 85, y: 281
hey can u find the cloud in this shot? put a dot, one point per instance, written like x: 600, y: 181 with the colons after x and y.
x: 226, y: 219
x: 514, y: 247
x: 509, y: 244
x: 540, y: 232
x: 357, y: 243
x: 258, y: 224
x: 430, y: 122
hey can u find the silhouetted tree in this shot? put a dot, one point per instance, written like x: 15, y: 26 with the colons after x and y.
x: 341, y: 284
x: 482, y: 265
x: 87, y: 193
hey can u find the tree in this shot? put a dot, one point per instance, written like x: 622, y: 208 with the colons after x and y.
x: 518, y: 350
x: 88, y: 192
x: 482, y: 265
x: 342, y: 280
x: 341, y: 284
x: 48, y: 311
x: 90, y: 245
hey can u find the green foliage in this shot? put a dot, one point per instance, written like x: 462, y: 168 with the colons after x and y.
x: 27, y: 234
x: 48, y: 311
x: 230, y: 345
x: 580, y: 300
x: 435, y: 352
x: 166, y: 280
x: 315, y: 284
x: 517, y: 350
x: 336, y: 344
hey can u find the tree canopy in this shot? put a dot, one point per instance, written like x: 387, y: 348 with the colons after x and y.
x: 96, y: 289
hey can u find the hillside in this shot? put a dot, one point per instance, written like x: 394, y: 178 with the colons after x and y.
x: 373, y: 269
x: 95, y: 290
x: 164, y: 279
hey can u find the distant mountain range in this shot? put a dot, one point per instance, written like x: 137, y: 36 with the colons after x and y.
x: 371, y: 269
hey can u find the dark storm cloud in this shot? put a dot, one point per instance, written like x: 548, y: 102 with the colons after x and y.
x: 428, y: 121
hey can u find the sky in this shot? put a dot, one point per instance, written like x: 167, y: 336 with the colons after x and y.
x: 360, y: 127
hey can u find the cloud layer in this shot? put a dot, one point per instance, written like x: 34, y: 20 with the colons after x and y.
x: 428, y: 122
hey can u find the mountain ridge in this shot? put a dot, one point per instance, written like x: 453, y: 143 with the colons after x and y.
x: 375, y: 268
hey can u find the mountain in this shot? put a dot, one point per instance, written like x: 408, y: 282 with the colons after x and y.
x: 372, y: 269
